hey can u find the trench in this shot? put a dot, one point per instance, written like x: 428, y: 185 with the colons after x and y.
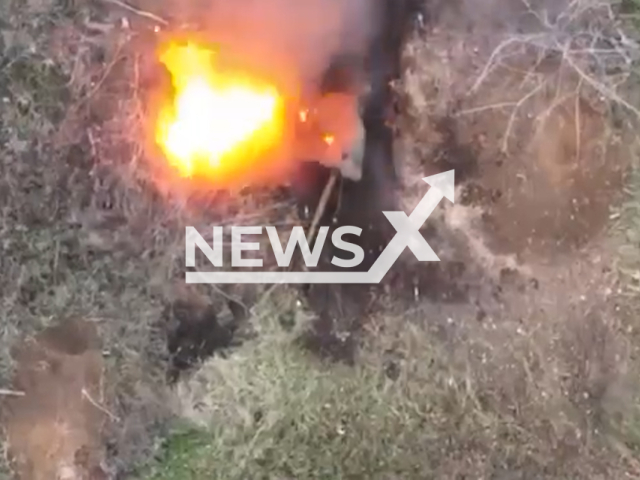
x: 339, y: 309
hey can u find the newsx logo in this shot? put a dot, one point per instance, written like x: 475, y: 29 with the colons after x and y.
x: 407, y: 236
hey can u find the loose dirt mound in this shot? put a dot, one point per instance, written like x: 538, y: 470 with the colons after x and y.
x: 550, y: 192
x: 54, y: 430
x: 528, y: 131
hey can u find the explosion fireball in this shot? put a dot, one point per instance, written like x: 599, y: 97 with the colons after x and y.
x: 217, y: 120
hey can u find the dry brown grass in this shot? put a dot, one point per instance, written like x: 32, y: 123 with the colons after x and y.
x: 570, y: 50
x: 546, y: 389
x: 87, y: 230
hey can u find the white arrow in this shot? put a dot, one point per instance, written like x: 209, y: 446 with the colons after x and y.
x: 442, y: 186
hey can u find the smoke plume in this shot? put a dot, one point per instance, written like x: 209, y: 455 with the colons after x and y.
x: 295, y: 38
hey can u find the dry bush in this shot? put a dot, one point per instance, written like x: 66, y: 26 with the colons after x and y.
x: 88, y: 229
x: 543, y: 56
x: 85, y: 228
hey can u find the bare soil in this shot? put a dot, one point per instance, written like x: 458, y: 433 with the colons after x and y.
x: 552, y: 193
x: 540, y: 159
x: 54, y: 431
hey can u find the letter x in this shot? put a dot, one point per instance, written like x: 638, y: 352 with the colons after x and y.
x: 408, y: 235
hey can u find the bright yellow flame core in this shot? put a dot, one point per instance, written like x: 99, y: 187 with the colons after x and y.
x: 215, y: 115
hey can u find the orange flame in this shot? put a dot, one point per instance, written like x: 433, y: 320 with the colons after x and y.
x: 217, y: 120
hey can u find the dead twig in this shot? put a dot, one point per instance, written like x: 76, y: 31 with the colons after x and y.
x: 489, y: 66
x: 322, y: 205
x: 11, y: 393
x: 140, y: 13
x: 601, y: 88
x: 86, y: 395
x: 484, y: 108
x: 514, y: 114
x: 578, y: 123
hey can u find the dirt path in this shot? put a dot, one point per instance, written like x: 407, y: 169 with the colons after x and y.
x: 54, y: 430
